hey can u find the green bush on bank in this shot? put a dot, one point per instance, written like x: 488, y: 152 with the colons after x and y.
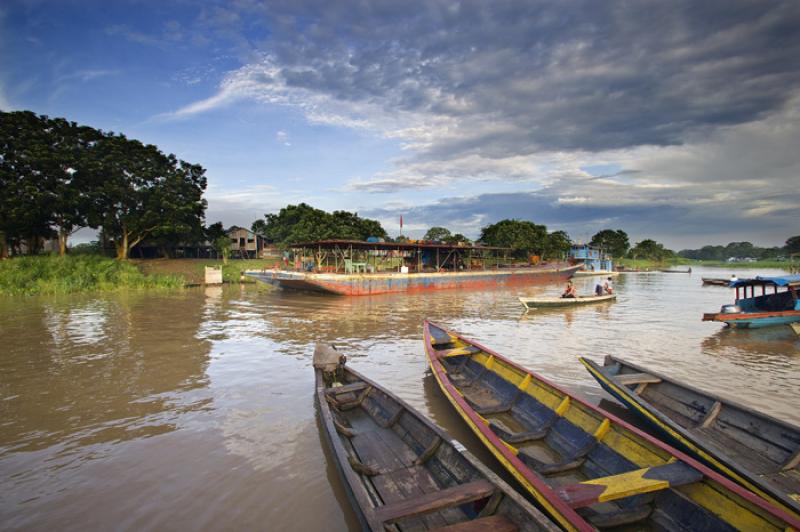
x: 63, y: 275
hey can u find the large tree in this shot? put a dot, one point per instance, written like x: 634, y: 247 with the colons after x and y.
x: 521, y: 235
x: 651, y: 250
x: 141, y: 193
x: 437, y: 233
x: 557, y: 245
x: 793, y: 244
x: 304, y: 223
x: 614, y: 242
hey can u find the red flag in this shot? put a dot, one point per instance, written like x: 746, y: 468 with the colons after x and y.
x: 401, y: 222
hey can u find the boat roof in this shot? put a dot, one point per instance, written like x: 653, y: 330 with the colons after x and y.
x: 361, y: 244
x: 786, y: 280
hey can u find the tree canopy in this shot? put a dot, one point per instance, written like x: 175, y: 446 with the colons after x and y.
x: 614, y: 242
x: 734, y: 249
x: 304, y: 223
x: 650, y: 250
x: 521, y: 235
x: 58, y: 176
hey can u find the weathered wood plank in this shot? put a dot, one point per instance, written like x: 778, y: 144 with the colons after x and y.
x: 431, y: 502
x: 712, y: 414
x: 636, y: 378
x: 354, y: 387
x: 495, y: 523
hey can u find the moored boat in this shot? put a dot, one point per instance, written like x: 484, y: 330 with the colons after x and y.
x: 758, y: 451
x: 400, y: 470
x: 536, y: 302
x: 688, y: 270
x: 750, y: 311
x: 586, y: 467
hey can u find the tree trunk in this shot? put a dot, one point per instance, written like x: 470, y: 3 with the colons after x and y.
x: 122, y: 247
x: 3, y: 245
x: 62, y: 241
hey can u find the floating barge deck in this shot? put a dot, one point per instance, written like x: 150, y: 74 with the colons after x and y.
x: 332, y: 267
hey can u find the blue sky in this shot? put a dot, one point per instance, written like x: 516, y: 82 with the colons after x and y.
x: 678, y: 121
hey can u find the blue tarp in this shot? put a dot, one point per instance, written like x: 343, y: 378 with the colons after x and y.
x: 772, y: 281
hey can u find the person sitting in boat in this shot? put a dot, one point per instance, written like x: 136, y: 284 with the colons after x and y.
x: 608, y: 286
x: 598, y: 289
x: 570, y: 291
x: 734, y: 278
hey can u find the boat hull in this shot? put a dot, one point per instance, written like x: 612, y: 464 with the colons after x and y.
x: 519, y: 415
x: 536, y: 302
x: 384, y: 283
x: 754, y: 320
x: 693, y: 436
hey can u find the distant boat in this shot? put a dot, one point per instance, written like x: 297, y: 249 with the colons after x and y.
x: 716, y: 281
x: 401, y: 471
x: 688, y: 270
x: 536, y: 302
x: 777, y: 308
x: 586, y: 467
x: 759, y: 452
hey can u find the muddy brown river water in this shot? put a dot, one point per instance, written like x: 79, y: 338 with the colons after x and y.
x: 194, y: 410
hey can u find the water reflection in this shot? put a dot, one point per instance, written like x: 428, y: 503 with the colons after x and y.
x: 196, y: 409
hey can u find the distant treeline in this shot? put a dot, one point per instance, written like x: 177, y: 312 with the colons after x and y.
x: 57, y: 176
x: 742, y: 250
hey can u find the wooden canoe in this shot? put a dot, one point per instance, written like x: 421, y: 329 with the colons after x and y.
x: 536, y: 302
x: 759, y: 452
x: 586, y: 467
x: 716, y: 281
x: 795, y: 327
x: 402, y: 472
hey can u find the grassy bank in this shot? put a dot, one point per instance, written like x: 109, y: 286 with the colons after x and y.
x: 643, y: 264
x: 192, y: 271
x: 64, y: 275
x: 777, y: 264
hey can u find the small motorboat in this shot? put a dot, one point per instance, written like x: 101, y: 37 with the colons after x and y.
x: 751, y: 310
x: 587, y: 468
x: 758, y: 451
x: 402, y: 472
x: 536, y: 302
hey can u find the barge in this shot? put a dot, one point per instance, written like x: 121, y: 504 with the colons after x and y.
x: 356, y: 268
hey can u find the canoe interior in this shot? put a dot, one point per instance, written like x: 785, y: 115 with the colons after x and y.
x: 405, y: 474
x: 751, y: 442
x: 565, y: 447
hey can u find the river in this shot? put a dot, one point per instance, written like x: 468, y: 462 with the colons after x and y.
x: 194, y: 410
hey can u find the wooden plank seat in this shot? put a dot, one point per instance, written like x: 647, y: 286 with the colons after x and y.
x: 505, y: 433
x: 354, y: 387
x: 495, y: 523
x: 459, y: 351
x: 627, y: 484
x: 431, y: 502
x: 573, y: 461
x: 627, y: 379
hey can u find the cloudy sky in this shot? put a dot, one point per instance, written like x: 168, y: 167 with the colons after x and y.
x: 678, y: 121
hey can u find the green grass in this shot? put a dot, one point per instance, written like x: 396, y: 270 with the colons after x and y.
x: 82, y: 273
x: 778, y: 264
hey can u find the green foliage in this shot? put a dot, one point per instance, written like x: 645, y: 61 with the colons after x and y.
x: 59, y: 176
x: 63, y: 275
x: 523, y: 236
x: 614, y: 242
x: 733, y: 249
x: 437, y: 234
x: 650, y: 250
x: 557, y: 245
x: 223, y: 246
x: 793, y: 244
x: 303, y: 223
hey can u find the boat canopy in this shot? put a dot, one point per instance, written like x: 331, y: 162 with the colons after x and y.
x: 787, y: 280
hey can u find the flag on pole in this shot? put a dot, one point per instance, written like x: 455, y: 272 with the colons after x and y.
x: 401, y: 222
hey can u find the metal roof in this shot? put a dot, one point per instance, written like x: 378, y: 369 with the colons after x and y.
x: 786, y: 280
x: 389, y: 246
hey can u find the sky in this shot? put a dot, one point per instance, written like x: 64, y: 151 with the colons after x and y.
x: 677, y: 121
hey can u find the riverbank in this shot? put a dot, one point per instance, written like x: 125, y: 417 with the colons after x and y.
x: 47, y: 274
x: 643, y: 264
